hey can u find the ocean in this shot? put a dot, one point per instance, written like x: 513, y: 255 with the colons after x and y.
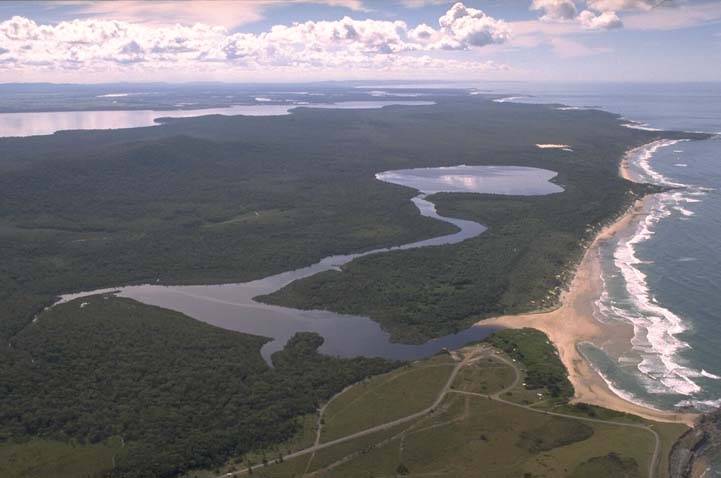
x: 662, y: 275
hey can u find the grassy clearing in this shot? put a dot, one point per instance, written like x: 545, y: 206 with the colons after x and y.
x: 608, y: 465
x: 327, y: 457
x: 474, y: 433
x: 385, y: 398
x: 631, y: 444
x: 486, y: 376
x: 469, y: 431
x: 46, y: 458
x: 670, y: 433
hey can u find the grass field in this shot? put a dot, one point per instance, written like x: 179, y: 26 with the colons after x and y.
x: 476, y: 434
x: 46, y: 458
x: 474, y: 429
x: 386, y: 397
x: 487, y: 376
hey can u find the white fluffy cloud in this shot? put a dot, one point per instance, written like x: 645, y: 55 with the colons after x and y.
x: 460, y: 28
x: 600, y: 14
x: 463, y: 27
x: 346, y: 43
x: 607, y: 20
x: 554, y: 10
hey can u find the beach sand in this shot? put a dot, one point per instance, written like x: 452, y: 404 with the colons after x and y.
x: 573, y: 322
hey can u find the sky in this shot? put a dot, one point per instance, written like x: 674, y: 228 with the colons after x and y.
x: 309, y: 40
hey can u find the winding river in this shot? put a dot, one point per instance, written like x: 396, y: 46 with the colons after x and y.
x: 231, y: 306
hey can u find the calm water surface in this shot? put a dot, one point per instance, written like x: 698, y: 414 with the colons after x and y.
x: 231, y: 306
x: 479, y: 179
x: 32, y: 124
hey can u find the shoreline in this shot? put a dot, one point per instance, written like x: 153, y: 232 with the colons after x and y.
x: 572, y: 322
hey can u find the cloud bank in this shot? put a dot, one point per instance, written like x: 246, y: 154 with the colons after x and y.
x: 98, y: 44
x: 599, y: 14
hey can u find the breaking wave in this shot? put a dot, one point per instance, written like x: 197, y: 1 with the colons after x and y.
x: 656, y: 328
x: 509, y: 99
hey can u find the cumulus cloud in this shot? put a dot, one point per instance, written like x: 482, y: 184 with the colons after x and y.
x: 100, y: 44
x: 601, y: 21
x: 600, y: 15
x: 555, y: 10
x: 423, y: 34
x: 463, y: 27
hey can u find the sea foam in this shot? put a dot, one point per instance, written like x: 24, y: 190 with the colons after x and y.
x: 508, y: 99
x: 656, y: 328
x: 637, y: 125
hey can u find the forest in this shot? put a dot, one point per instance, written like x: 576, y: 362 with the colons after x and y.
x: 181, y: 394
x: 227, y: 199
x: 542, y: 366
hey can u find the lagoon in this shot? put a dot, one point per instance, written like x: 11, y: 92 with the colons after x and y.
x: 43, y: 123
x: 231, y: 306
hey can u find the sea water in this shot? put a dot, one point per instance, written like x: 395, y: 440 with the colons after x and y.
x: 663, y: 274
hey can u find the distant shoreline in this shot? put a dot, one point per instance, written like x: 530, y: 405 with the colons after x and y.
x: 572, y: 322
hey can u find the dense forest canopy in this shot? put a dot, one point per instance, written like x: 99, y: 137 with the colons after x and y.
x: 177, y: 203
x: 227, y: 199
x: 180, y: 393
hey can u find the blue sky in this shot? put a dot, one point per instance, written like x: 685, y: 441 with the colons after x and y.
x: 303, y: 40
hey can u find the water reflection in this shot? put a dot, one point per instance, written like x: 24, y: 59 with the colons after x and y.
x: 509, y: 180
x: 231, y: 306
x: 32, y: 124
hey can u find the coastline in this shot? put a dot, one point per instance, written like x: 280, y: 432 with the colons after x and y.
x: 572, y: 322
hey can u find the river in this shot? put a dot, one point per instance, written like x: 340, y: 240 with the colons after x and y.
x: 231, y: 306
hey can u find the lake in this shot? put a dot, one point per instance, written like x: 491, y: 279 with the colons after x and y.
x: 231, y: 306
x: 41, y: 123
x: 509, y: 180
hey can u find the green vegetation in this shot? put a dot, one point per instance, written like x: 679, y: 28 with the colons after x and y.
x: 559, y: 433
x: 180, y: 393
x: 524, y: 259
x: 228, y: 199
x: 36, y: 458
x: 605, y: 466
x: 487, y: 376
x: 544, y: 370
x: 469, y: 432
x: 385, y: 398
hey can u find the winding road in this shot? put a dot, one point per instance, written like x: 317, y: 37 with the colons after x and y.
x: 653, y: 465
x: 475, y: 355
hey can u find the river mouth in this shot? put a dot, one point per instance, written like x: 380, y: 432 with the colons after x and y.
x: 231, y: 306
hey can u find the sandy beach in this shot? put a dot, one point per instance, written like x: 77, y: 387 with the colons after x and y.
x: 573, y: 322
